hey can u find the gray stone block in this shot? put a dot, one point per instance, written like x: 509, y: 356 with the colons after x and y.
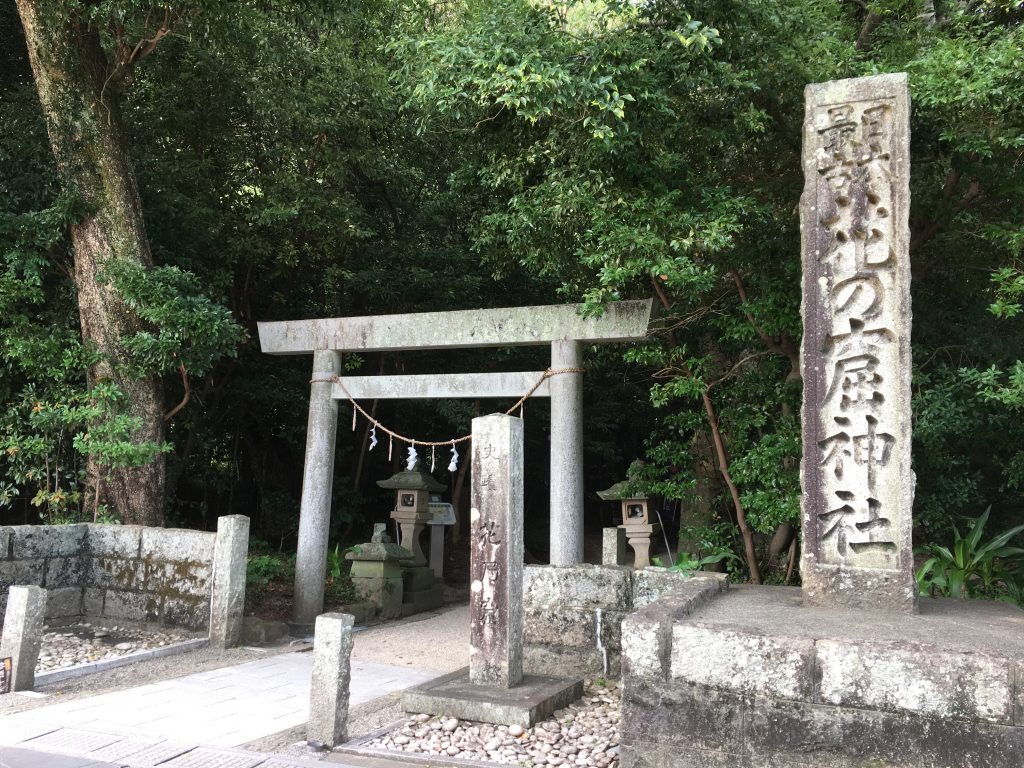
x: 135, y: 606
x: 178, y: 545
x: 386, y: 594
x: 63, y: 602
x: 192, y: 612
x: 112, y: 573
x: 907, y: 677
x: 5, y: 543
x: 92, y: 601
x: 23, y: 572
x: 579, y: 586
x: 680, y: 757
x: 742, y: 662
x: 839, y: 737
x: 65, y: 571
x: 1018, y: 708
x: 423, y: 600
x: 647, y: 634
x: 666, y: 715
x: 329, y: 686
x: 650, y: 584
x: 37, y: 541
x: 534, y: 699
x: 571, y: 627
x: 175, y: 579
x: 114, y: 541
x: 23, y: 633
x: 227, y: 601
x: 561, y: 661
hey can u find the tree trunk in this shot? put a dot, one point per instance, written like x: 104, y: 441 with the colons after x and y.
x: 81, y: 108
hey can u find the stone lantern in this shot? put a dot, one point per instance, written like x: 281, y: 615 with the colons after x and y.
x: 412, y: 507
x: 636, y: 520
x: 412, y: 513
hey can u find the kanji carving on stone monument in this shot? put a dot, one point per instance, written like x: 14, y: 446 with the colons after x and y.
x: 856, y: 355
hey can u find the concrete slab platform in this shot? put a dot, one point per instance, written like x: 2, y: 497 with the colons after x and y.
x: 527, y: 704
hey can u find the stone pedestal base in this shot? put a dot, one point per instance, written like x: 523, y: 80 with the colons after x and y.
x: 753, y: 678
x: 528, y: 703
x: 421, y: 591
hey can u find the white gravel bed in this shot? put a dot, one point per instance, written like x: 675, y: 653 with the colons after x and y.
x: 82, y: 643
x: 583, y: 734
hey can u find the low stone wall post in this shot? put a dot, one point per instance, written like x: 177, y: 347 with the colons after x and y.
x: 332, y: 672
x: 228, y: 599
x: 23, y: 634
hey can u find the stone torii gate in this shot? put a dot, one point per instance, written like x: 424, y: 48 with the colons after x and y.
x: 561, y: 326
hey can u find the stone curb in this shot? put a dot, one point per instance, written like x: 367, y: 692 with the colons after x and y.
x: 80, y: 670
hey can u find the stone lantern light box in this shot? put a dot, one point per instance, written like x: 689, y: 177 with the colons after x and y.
x: 636, y: 520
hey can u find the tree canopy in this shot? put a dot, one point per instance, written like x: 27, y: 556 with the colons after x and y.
x: 323, y: 159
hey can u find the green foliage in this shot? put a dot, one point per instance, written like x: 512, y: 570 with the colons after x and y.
x: 687, y: 563
x: 262, y: 570
x: 185, y: 327
x: 974, y: 568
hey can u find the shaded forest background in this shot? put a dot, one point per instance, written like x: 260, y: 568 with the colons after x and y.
x: 310, y: 159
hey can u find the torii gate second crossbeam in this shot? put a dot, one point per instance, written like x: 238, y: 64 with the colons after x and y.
x: 561, y: 326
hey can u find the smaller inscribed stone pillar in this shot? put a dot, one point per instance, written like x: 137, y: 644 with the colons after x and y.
x: 23, y: 634
x: 317, y: 481
x: 566, y: 455
x: 496, y: 554
x: 331, y: 676
x: 858, y: 487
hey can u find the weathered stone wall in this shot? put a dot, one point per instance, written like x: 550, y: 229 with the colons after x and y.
x: 565, y: 606
x: 757, y: 680
x: 112, y: 571
x: 48, y: 556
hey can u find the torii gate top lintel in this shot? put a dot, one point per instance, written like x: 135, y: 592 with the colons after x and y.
x: 503, y: 327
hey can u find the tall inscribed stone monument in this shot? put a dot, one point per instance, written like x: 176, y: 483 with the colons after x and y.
x: 496, y: 564
x: 858, y: 486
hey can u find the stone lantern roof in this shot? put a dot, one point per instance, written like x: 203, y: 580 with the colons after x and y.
x: 415, y: 480
x: 618, y: 492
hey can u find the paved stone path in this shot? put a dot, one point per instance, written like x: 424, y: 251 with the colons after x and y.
x: 193, y: 720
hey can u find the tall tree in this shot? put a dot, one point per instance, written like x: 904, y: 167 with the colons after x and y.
x: 79, y: 87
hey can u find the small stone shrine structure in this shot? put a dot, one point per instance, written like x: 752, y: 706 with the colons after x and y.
x: 494, y: 688
x: 842, y: 672
x: 561, y: 327
x: 377, y: 573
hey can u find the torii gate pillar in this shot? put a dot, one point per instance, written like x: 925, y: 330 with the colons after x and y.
x: 317, y: 483
x: 566, y: 455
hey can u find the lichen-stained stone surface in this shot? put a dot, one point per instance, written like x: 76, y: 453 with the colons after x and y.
x: 754, y: 678
x: 579, y: 586
x: 914, y: 678
x: 743, y: 662
x: 117, y: 571
x: 574, y: 614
